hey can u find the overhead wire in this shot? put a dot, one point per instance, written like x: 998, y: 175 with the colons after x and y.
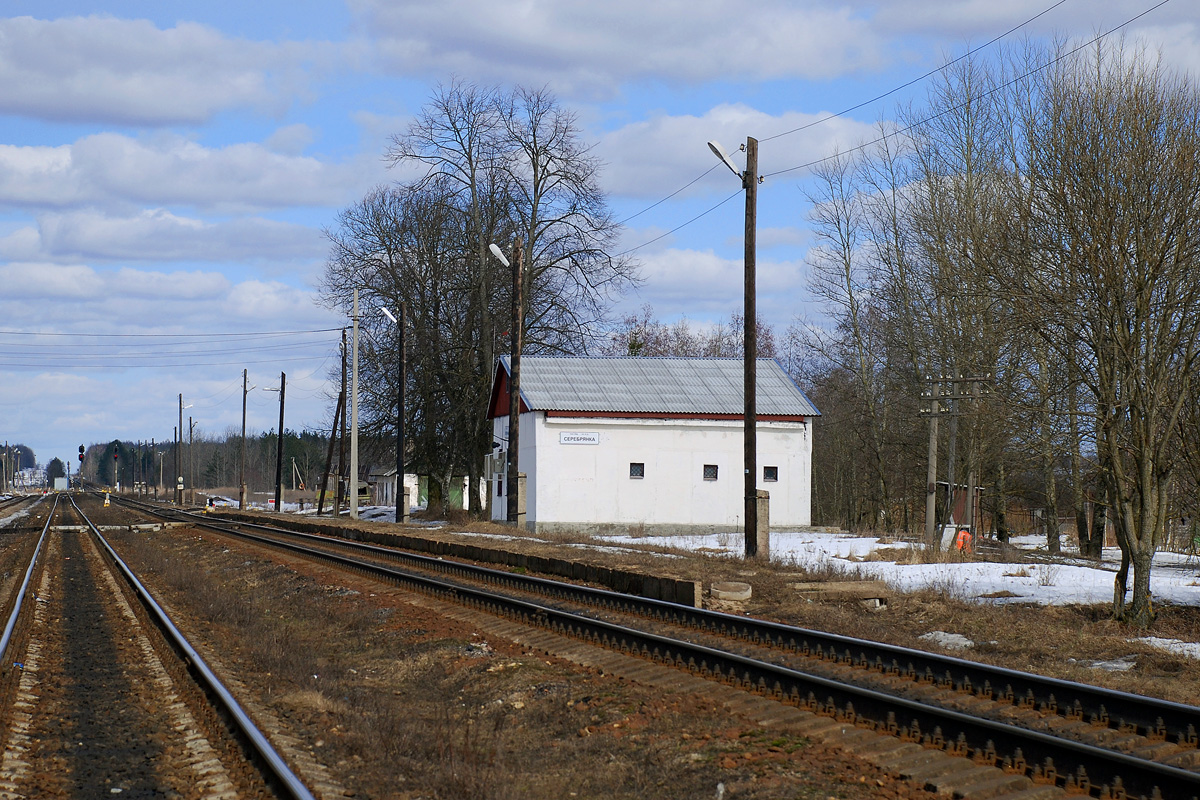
x: 681, y: 226
x: 974, y: 98
x: 130, y: 351
x: 215, y: 334
x: 824, y: 119
x: 919, y: 78
x: 863, y: 146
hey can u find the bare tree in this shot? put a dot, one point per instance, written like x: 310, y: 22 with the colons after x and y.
x: 496, y: 164
x: 1115, y: 183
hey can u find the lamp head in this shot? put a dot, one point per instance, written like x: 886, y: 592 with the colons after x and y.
x: 383, y: 310
x: 719, y: 152
x: 499, y: 254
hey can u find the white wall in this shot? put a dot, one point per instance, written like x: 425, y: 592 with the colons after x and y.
x: 589, y: 484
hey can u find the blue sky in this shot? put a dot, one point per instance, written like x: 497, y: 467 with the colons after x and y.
x: 168, y: 168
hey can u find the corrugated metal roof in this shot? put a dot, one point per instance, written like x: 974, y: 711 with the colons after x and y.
x: 655, y: 385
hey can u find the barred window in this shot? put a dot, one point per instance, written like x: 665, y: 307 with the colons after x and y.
x: 710, y: 472
x: 637, y: 469
x: 770, y: 474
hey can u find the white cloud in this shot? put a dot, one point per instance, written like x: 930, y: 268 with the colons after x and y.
x: 651, y: 158
x: 42, y: 296
x: 159, y: 235
x: 103, y: 69
x: 706, y: 287
x: 593, y: 47
x: 110, y: 169
x: 291, y: 140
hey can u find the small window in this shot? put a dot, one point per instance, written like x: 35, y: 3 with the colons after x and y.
x: 637, y: 469
x: 770, y: 474
x: 710, y: 472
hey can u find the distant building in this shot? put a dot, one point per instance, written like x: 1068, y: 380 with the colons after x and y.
x: 650, y: 444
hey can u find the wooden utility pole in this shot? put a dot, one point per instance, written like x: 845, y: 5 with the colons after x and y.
x: 333, y: 435
x: 750, y: 351
x: 354, y: 411
x: 339, y: 495
x: 961, y: 387
x: 401, y: 513
x: 514, y: 388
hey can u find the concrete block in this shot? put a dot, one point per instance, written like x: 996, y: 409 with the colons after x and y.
x: 730, y: 590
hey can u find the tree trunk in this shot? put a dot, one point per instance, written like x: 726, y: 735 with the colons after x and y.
x: 1095, y: 543
x: 1000, y: 513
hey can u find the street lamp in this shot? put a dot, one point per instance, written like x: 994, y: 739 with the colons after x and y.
x: 354, y: 411
x: 514, y: 382
x: 750, y: 180
x: 401, y: 496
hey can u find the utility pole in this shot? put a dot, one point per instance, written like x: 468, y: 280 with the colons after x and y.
x: 514, y: 388
x: 750, y: 347
x: 153, y: 452
x: 401, y: 513
x: 340, y: 493
x: 279, y: 448
x: 932, y: 410
x: 191, y: 460
x: 354, y: 413
x: 242, y: 480
x: 757, y: 540
x: 401, y: 495
x: 179, y: 456
x: 948, y: 389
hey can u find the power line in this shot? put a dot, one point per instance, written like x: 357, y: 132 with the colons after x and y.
x: 71, y: 356
x: 973, y: 99
x: 180, y: 365
x: 841, y: 113
x: 918, y: 79
x: 681, y: 226
x: 677, y: 191
x: 215, y: 335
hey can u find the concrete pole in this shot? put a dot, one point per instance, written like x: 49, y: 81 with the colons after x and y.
x: 932, y: 540
x: 279, y: 447
x: 354, y: 413
x: 179, y: 455
x: 242, y: 479
x: 340, y: 493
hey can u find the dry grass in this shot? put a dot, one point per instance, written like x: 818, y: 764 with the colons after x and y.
x: 404, y: 704
x: 418, y: 713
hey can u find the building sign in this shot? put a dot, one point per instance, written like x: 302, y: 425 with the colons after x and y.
x: 578, y: 438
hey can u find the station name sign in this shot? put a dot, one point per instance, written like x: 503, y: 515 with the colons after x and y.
x: 578, y: 438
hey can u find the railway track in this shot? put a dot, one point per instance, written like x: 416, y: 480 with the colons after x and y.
x: 1082, y: 739
x: 104, y: 697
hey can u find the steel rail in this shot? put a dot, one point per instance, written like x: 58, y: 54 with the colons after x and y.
x: 1064, y: 761
x: 1152, y: 717
x: 14, y: 500
x: 277, y: 769
x: 19, y: 600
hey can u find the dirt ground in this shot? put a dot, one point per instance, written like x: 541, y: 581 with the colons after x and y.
x: 398, y: 701
x: 401, y: 702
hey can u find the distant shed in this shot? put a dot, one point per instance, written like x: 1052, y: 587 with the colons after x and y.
x: 650, y: 444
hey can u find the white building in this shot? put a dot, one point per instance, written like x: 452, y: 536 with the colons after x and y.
x: 650, y: 444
